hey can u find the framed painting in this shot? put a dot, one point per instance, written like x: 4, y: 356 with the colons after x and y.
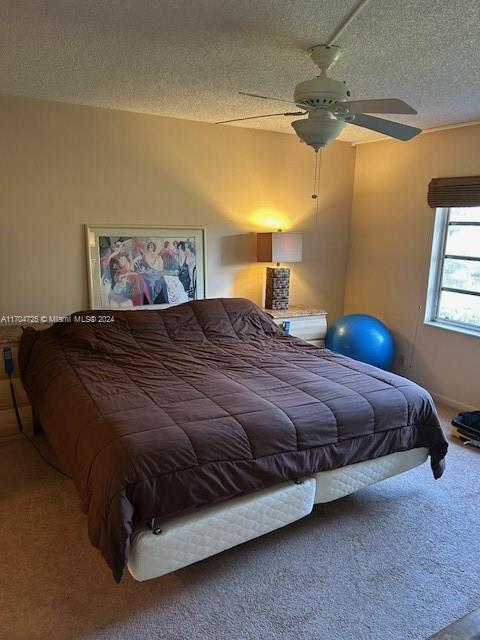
x: 140, y: 267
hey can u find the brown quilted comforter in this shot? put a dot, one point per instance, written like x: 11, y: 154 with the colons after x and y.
x: 162, y: 412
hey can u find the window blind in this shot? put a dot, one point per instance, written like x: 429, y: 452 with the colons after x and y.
x: 454, y: 192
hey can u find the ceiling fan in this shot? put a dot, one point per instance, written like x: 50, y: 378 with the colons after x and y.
x: 327, y: 105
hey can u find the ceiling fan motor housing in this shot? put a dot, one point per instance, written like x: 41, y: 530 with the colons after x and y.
x: 321, y: 92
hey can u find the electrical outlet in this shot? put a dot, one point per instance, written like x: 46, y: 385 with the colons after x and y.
x: 401, y: 359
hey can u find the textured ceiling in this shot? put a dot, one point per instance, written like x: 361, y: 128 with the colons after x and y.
x: 189, y: 58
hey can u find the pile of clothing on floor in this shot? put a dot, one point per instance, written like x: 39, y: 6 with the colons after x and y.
x: 467, y: 425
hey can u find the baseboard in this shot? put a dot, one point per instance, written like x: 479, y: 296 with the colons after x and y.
x: 451, y: 402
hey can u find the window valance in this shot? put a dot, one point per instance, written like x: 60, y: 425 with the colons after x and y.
x: 454, y: 192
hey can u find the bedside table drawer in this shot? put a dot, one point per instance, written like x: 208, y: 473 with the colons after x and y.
x: 306, y: 323
x: 309, y: 328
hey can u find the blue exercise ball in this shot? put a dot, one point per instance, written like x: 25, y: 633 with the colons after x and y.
x: 362, y: 337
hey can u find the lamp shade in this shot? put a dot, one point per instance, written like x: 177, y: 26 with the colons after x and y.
x: 279, y: 247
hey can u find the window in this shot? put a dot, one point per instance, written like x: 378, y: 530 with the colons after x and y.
x: 454, y: 284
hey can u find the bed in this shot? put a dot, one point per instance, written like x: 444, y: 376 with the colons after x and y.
x: 178, y: 423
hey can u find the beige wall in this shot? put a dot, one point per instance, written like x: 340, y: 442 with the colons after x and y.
x: 62, y: 166
x: 390, y: 243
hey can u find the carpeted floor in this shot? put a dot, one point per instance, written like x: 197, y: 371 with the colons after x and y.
x: 397, y: 561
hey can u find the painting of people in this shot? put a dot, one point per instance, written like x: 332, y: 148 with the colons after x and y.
x: 143, y: 270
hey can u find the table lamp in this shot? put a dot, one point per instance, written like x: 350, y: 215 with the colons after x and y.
x: 278, y: 247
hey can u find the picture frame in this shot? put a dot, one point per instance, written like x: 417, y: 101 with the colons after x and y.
x: 144, y: 266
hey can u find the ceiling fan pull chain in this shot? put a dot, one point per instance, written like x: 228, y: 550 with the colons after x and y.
x: 316, y: 183
x: 320, y: 158
x: 315, y: 194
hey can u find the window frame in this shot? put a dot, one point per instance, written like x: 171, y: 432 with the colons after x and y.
x: 437, y: 265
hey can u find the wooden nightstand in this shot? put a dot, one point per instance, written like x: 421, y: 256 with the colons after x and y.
x: 305, y: 323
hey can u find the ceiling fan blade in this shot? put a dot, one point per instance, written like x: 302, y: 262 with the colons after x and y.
x: 383, y: 105
x: 255, y: 95
x: 266, y: 115
x: 389, y: 128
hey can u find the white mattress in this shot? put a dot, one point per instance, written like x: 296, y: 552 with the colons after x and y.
x: 340, y: 482
x: 196, y: 536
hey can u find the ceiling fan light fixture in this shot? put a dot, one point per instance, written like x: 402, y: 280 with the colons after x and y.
x: 318, y: 130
